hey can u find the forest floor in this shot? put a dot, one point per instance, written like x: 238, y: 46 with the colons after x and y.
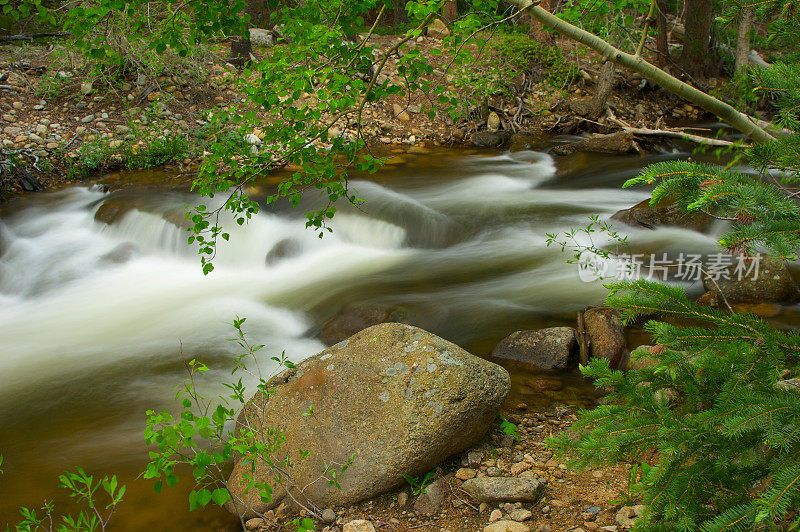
x: 62, y: 125
x: 595, y: 499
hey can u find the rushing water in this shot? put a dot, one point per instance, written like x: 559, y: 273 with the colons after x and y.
x: 95, y: 317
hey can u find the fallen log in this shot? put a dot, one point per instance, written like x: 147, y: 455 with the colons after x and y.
x: 32, y: 36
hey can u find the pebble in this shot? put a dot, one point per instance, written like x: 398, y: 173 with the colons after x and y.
x: 465, y: 473
x: 88, y: 118
x: 328, y: 515
x: 496, y: 515
x: 402, y: 498
x: 17, y: 105
x: 474, y: 458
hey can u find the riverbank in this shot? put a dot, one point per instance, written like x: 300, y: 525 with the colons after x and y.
x: 60, y: 124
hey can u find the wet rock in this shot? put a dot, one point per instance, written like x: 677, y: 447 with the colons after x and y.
x: 358, y: 525
x: 545, y: 383
x: 619, y: 142
x: 396, y: 398
x: 504, y: 489
x: 352, y: 320
x: 507, y: 526
x: 284, y: 249
x: 120, y: 254
x: 546, y: 349
x: 770, y: 281
x: 643, y: 357
x: 606, y: 335
x: 437, y: 28
x: 487, y: 139
x: 665, y: 214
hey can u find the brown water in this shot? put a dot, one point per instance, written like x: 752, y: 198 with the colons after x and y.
x: 94, y: 317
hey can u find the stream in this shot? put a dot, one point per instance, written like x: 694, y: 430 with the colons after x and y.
x: 95, y: 318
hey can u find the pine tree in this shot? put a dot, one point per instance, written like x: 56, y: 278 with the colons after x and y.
x: 723, y: 435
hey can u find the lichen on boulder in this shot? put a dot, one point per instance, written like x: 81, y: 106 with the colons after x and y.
x: 396, y: 399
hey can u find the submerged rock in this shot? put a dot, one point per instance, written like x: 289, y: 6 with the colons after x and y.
x: 547, y: 349
x: 767, y: 281
x: 395, y: 398
x: 284, y: 249
x: 352, y: 320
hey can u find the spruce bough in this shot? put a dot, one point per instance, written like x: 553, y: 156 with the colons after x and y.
x: 722, y: 434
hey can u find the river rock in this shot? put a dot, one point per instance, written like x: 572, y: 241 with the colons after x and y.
x: 663, y: 214
x: 395, y: 398
x: 352, y: 320
x: 503, y: 489
x: 619, y: 142
x: 606, y: 335
x: 547, y: 349
x: 487, y: 139
x: 437, y: 28
x: 771, y: 281
x: 120, y: 254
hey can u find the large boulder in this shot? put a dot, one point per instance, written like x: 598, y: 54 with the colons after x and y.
x: 546, y: 349
x: 351, y: 320
x: 606, y: 335
x: 768, y: 280
x: 665, y: 214
x: 396, y: 399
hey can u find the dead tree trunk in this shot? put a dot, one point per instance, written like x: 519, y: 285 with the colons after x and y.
x: 662, y: 45
x: 698, y: 57
x: 538, y: 31
x: 743, y: 38
x: 450, y: 11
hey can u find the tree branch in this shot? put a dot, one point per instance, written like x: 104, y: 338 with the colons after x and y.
x: 724, y: 111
